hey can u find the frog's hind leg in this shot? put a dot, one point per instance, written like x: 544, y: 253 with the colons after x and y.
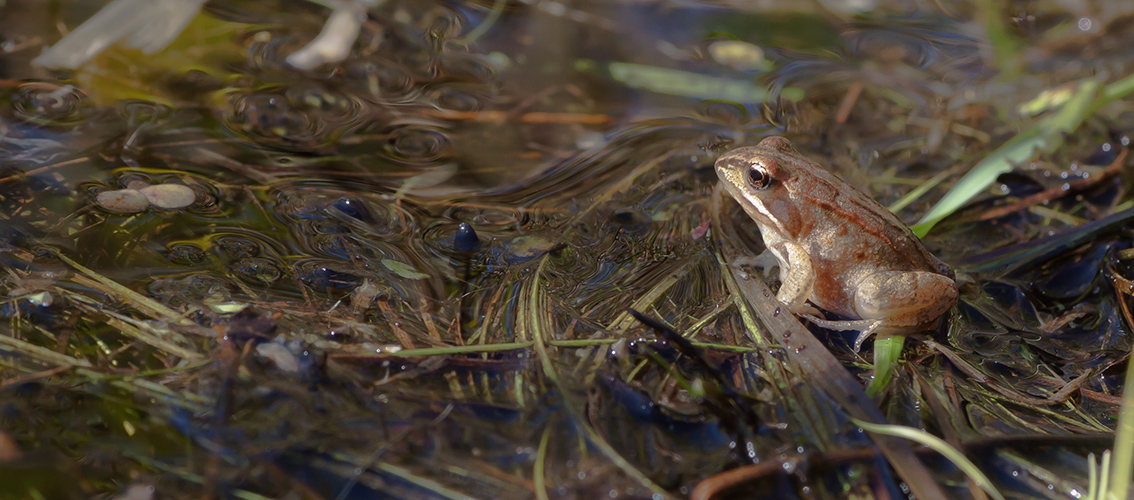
x: 867, y: 327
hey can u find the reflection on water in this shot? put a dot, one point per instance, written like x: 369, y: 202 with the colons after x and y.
x: 503, y: 200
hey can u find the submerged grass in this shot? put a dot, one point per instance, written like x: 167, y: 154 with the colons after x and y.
x: 535, y: 324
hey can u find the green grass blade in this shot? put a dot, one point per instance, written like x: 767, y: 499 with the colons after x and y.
x: 1045, y: 135
x: 940, y: 446
x: 887, y: 352
x: 1004, y: 159
x: 1122, y: 460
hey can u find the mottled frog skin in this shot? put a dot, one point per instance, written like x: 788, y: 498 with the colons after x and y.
x: 836, y: 247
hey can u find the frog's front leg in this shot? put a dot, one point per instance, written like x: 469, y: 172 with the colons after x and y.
x: 797, y: 275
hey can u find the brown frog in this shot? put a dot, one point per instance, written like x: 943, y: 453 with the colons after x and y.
x: 836, y: 246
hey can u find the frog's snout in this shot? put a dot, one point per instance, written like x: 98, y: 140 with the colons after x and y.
x: 730, y: 161
x: 730, y: 168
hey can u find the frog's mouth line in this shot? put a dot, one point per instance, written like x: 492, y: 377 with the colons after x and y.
x: 756, y: 211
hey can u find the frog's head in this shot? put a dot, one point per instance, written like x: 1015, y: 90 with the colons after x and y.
x: 756, y: 177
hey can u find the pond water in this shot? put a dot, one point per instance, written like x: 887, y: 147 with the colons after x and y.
x: 405, y: 272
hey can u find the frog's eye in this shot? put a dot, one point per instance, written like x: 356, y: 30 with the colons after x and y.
x: 758, y: 177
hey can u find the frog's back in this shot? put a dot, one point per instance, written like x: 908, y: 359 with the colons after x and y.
x: 861, y: 237
x: 884, y: 239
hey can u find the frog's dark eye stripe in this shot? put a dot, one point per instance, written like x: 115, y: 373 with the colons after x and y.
x: 758, y: 177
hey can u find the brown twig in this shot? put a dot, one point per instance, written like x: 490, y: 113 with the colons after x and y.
x: 43, y: 169
x: 848, y: 101
x: 392, y: 319
x: 1057, y: 192
x: 33, y: 376
x: 720, y: 482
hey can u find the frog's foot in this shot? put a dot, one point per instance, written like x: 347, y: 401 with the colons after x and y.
x: 810, y: 312
x: 765, y: 261
x: 867, y: 327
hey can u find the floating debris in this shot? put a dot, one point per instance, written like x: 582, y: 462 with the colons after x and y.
x: 133, y: 200
x: 169, y: 196
x: 148, y: 25
x: 130, y: 201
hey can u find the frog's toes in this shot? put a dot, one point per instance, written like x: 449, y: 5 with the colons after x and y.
x: 867, y: 326
x: 865, y: 334
x: 809, y: 311
x: 766, y: 261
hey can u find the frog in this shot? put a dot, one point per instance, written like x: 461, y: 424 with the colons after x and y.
x: 836, y: 247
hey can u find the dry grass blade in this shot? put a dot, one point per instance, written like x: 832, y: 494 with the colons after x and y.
x: 145, y: 304
x: 41, y: 354
x: 623, y: 321
x: 144, y: 332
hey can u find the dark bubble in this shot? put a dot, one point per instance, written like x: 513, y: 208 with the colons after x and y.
x: 354, y: 209
x: 466, y: 239
x: 383, y: 219
x: 49, y: 104
x: 186, y: 254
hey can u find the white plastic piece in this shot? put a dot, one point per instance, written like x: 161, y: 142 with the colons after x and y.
x: 148, y: 25
x: 334, y: 42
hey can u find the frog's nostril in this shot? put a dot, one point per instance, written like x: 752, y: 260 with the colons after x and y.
x: 732, y: 163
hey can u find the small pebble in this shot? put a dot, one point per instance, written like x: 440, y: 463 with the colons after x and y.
x: 128, y: 201
x: 170, y: 196
x: 466, y: 239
